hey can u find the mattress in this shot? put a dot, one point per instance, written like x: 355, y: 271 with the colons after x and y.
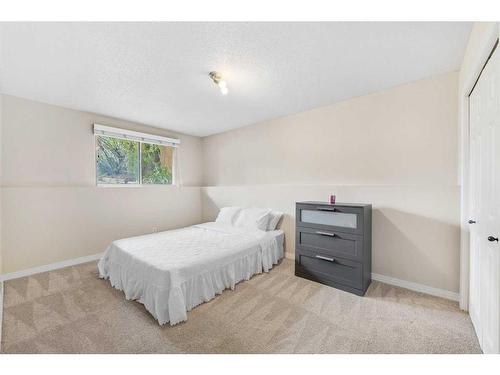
x: 172, y: 272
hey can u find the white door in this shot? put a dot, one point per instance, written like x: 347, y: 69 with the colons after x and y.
x: 485, y: 206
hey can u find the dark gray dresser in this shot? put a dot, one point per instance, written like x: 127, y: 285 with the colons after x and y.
x: 333, y: 244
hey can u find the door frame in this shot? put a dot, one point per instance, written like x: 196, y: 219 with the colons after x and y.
x: 468, y: 77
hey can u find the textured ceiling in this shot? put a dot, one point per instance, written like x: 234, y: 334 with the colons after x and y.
x: 156, y: 73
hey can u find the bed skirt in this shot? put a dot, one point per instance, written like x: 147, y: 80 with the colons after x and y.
x: 170, y: 304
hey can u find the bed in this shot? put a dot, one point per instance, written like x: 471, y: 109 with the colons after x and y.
x: 174, y: 271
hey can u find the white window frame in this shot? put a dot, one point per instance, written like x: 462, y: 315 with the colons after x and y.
x: 129, y: 135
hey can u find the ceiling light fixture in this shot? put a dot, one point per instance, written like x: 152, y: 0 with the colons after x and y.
x: 217, y: 79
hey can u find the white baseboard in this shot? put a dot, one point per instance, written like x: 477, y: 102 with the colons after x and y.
x: 417, y: 287
x: 406, y: 284
x: 382, y: 278
x: 49, y: 267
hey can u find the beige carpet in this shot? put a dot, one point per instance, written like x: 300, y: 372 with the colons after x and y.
x: 72, y: 311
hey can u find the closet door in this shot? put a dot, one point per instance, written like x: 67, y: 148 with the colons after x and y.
x: 476, y: 143
x: 485, y: 206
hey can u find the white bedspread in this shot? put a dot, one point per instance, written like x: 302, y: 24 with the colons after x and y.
x: 172, y: 272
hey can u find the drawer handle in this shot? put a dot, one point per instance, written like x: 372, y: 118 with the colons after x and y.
x: 333, y: 260
x: 326, y: 209
x: 325, y: 258
x: 326, y: 234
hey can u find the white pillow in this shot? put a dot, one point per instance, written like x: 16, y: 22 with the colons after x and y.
x: 227, y: 215
x: 274, y: 219
x: 255, y: 218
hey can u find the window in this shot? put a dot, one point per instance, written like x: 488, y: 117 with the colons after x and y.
x: 117, y: 161
x: 131, y: 158
x: 156, y: 163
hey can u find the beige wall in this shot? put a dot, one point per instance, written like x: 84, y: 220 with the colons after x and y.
x: 44, y: 225
x: 403, y: 136
x: 396, y: 149
x: 1, y: 130
x: 52, y: 210
x: 45, y: 145
x: 415, y: 228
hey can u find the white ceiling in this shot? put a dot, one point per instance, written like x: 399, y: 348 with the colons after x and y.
x: 157, y: 73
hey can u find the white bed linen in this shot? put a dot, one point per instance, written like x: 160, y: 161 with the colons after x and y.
x: 172, y: 272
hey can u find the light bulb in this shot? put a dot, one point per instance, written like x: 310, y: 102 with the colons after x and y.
x: 217, y: 79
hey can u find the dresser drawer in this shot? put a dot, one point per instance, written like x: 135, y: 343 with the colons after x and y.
x: 344, y: 219
x: 324, y: 266
x: 335, y: 243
